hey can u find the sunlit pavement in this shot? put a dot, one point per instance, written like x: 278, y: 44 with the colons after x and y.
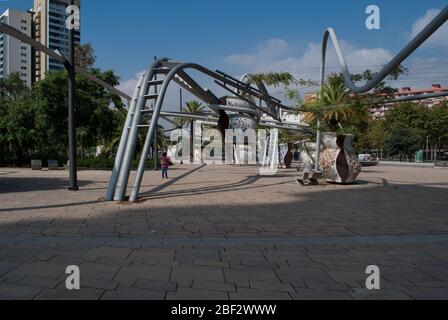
x: 222, y: 232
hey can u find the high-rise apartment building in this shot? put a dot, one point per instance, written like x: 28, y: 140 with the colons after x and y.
x: 50, y: 29
x: 15, y: 56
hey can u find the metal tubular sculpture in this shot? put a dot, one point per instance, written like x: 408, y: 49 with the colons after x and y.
x: 160, y: 96
x: 175, y: 72
x: 432, y: 27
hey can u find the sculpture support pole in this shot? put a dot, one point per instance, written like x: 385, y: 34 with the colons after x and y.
x: 131, y: 145
x: 318, y: 143
x: 123, y: 142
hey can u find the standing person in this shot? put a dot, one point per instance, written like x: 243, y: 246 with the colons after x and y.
x: 165, y: 162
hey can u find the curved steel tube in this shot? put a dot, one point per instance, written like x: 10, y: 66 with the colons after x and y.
x: 131, y: 145
x: 123, y: 141
x: 262, y: 87
x: 7, y: 29
x: 432, y: 27
x: 155, y: 117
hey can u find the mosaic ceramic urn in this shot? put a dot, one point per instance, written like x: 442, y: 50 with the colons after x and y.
x: 337, y: 160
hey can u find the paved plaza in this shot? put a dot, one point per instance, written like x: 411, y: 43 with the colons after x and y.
x: 224, y: 232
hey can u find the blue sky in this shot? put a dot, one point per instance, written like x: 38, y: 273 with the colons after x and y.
x: 240, y: 36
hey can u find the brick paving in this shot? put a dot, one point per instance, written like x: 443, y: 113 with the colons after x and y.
x: 221, y: 232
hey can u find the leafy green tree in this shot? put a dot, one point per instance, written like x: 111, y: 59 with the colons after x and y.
x: 18, y: 136
x: 96, y: 118
x: 403, y: 142
x: 409, y: 115
x: 375, y: 136
x: 33, y: 123
x: 437, y: 128
x: 11, y: 86
x: 84, y: 56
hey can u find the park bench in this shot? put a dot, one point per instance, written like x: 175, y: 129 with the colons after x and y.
x: 36, y: 165
x: 53, y: 165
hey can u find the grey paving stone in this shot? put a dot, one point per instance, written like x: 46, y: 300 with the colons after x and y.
x: 430, y: 283
x: 156, y: 285
x: 211, y: 263
x: 107, y: 252
x: 353, y: 276
x: 130, y: 293
x: 186, y: 274
x: 152, y: 254
x: 297, y: 275
x: 114, y: 262
x: 6, y: 267
x: 196, y: 294
x: 325, y: 285
x: 97, y: 271
x: 18, y: 292
x: 129, y: 275
x: 39, y: 269
x: 40, y: 282
x: 316, y: 294
x: 428, y: 293
x: 98, y: 284
x: 258, y: 294
x: 438, y: 272
x: 61, y: 293
x: 245, y: 273
x: 274, y: 286
x: 214, y: 286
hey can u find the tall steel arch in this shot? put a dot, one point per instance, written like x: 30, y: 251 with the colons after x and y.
x: 151, y: 88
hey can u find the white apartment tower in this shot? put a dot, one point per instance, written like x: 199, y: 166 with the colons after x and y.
x: 15, y: 56
x: 50, y: 29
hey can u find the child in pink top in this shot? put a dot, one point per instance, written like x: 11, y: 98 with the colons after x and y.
x: 165, y: 162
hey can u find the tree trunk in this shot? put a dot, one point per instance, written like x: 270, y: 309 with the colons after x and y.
x: 435, y: 152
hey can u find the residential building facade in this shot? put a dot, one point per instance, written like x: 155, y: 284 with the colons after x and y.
x: 15, y: 56
x: 380, y: 111
x: 50, y: 30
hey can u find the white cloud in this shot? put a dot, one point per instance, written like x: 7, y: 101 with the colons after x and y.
x: 267, y: 51
x: 128, y: 86
x: 429, y: 64
x: 275, y: 55
x: 439, y: 38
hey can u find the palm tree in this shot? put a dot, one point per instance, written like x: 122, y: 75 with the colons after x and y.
x: 192, y: 106
x: 335, y: 105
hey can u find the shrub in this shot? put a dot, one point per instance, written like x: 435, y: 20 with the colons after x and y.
x: 104, y: 163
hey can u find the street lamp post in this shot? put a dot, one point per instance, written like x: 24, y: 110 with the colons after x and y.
x: 71, y: 110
